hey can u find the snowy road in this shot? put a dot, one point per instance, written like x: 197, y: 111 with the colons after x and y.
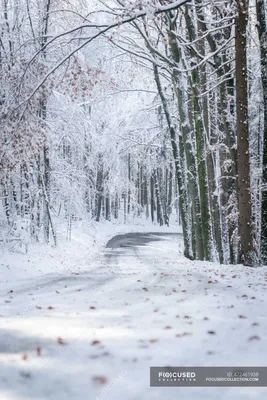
x: 93, y: 332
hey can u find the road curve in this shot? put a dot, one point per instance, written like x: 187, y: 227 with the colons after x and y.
x: 135, y: 239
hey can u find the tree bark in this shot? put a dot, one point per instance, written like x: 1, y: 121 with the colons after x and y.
x: 247, y: 246
x: 262, y: 31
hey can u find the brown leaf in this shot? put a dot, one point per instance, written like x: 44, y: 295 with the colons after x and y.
x: 94, y: 342
x: 25, y: 374
x: 100, y: 379
x: 209, y: 281
x: 50, y: 308
x: 255, y: 337
x: 61, y: 341
x: 154, y: 340
x: 38, y: 351
x: 92, y: 308
x: 183, y: 334
x: 206, y: 319
x: 138, y: 280
x: 25, y: 356
x: 168, y: 327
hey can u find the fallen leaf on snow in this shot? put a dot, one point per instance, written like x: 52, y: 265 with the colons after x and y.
x: 255, y: 337
x: 61, y: 341
x: 25, y: 374
x: 183, y: 334
x: 94, y: 342
x: 100, y: 379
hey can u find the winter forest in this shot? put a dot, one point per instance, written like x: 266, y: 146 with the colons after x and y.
x: 118, y: 117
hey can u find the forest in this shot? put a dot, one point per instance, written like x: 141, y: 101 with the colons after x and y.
x: 144, y: 121
x: 179, y: 89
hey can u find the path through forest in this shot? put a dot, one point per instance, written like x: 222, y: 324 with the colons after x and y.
x: 94, y: 332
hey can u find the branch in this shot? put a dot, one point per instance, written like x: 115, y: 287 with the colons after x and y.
x: 158, y: 10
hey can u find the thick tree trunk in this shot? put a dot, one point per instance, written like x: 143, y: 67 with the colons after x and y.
x: 262, y: 30
x: 247, y: 246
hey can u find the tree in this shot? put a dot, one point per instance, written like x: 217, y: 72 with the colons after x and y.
x: 262, y: 31
x: 247, y: 253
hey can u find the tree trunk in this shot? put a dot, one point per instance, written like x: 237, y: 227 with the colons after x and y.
x: 262, y: 30
x: 178, y: 161
x: 247, y: 246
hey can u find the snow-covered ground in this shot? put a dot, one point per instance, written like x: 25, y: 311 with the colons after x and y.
x: 85, y: 322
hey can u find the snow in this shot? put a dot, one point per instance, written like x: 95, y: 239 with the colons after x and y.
x: 79, y: 322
